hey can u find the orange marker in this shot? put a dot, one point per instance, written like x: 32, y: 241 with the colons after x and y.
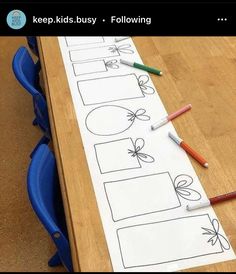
x: 189, y: 150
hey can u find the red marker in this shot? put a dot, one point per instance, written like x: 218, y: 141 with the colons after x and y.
x: 189, y: 150
x: 212, y: 201
x: 171, y: 116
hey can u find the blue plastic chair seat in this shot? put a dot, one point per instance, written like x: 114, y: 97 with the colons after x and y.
x: 45, y: 197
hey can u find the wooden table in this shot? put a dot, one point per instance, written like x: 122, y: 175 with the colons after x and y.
x: 196, y: 70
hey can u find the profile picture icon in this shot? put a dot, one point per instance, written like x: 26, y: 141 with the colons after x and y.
x: 16, y: 19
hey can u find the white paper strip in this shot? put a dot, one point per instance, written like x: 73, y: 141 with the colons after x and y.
x: 83, y: 40
x: 138, y: 196
x: 129, y: 155
x: 148, y: 244
x: 94, y: 66
x: 142, y: 204
x: 110, y: 162
x: 109, y: 120
x: 111, y: 89
x: 89, y: 67
x: 92, y: 53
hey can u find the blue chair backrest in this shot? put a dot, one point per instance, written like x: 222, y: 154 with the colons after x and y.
x: 45, y: 196
x: 26, y: 72
x: 33, y: 45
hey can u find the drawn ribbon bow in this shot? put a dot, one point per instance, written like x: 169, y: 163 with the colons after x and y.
x: 182, y: 183
x: 138, y: 146
x: 121, y: 49
x: 139, y: 114
x: 142, y: 81
x: 112, y: 64
x: 216, y: 236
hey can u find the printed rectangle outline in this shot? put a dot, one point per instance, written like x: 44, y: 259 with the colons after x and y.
x: 112, y: 100
x: 91, y: 61
x: 143, y: 214
x: 200, y: 215
x: 117, y: 169
x: 84, y: 43
x: 100, y: 57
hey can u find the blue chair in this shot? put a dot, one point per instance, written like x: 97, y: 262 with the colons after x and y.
x: 27, y: 73
x: 33, y: 45
x: 45, y: 197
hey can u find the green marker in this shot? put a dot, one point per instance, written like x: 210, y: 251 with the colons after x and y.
x: 143, y: 67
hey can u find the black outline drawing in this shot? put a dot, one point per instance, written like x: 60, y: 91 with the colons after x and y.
x: 142, y: 86
x: 182, y: 183
x: 134, y: 152
x: 171, y: 220
x: 141, y: 214
x: 180, y: 186
x: 80, y: 44
x: 113, y: 64
x: 216, y: 236
x: 114, y: 49
x: 130, y: 115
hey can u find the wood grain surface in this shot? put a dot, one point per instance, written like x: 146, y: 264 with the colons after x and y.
x: 196, y: 70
